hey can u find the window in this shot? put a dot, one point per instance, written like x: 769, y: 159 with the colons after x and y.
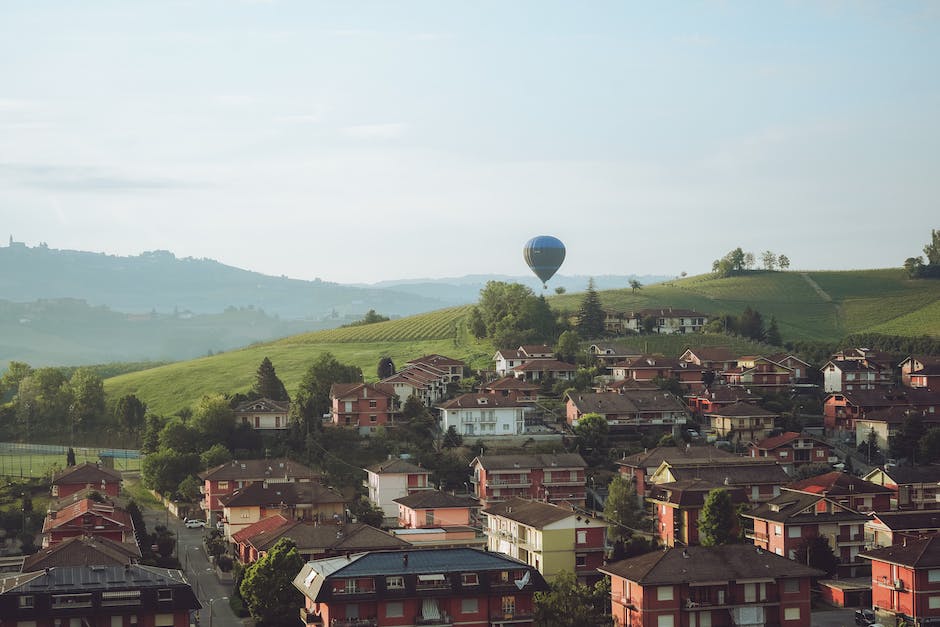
x: 395, y: 582
x: 26, y: 600
x: 223, y: 485
x: 664, y: 620
x: 469, y: 579
x: 373, y: 418
x: 60, y: 601
x: 794, y: 531
x: 163, y: 620
x: 664, y: 593
x: 429, y: 517
x: 509, y: 606
x: 164, y: 594
x: 120, y: 597
x: 791, y: 613
x: 933, y: 602
x: 373, y: 404
x: 580, y: 561
x: 778, y: 530
x: 784, y: 454
x: 750, y: 592
x: 469, y: 606
x: 820, y: 452
x: 582, y: 536
x: 394, y: 609
x: 933, y: 575
x: 791, y: 586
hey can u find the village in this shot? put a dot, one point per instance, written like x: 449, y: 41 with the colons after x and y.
x: 741, y: 515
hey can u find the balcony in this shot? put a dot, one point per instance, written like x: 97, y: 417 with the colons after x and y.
x: 563, y: 482
x: 512, y: 617
x: 309, y: 618
x: 354, y: 622
x: 509, y: 482
x: 440, y: 621
x: 760, y: 536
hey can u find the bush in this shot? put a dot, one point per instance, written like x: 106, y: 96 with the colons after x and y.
x: 225, y: 563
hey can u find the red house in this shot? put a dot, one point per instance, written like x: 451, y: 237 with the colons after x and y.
x: 848, y: 490
x: 87, y: 518
x: 459, y: 586
x: 554, y: 478
x: 363, y: 405
x: 793, y: 450
x: 678, y: 504
x: 905, y: 581
x: 93, y: 476
x: 734, y: 584
x: 640, y: 466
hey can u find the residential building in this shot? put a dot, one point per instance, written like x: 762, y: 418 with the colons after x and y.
x: 550, y: 538
x: 393, y: 479
x: 761, y: 373
x: 784, y: 523
x: 88, y: 517
x: 106, y: 481
x: 667, y: 321
x: 452, y: 368
x: 426, y: 384
x: 887, y: 528
x: 761, y: 479
x: 714, y: 358
x: 851, y: 376
x: 717, y: 397
x: 629, y: 409
x: 800, y: 369
x: 905, y: 581
x: 886, y: 423
x: 459, y: 586
x: 297, y: 501
x: 125, y: 595
x: 545, y: 369
x: 640, y: 466
x: 792, y: 450
x: 83, y: 551
x: 742, y: 422
x: 366, y: 406
x: 558, y: 478
x: 733, y: 584
x: 264, y: 414
x: 846, y: 489
x: 225, y: 478
x: 507, y: 360
x: 842, y: 410
x: 677, y: 506
x: 918, y: 371
x: 441, y: 537
x: 511, y: 387
x: 484, y: 415
x: 912, y: 487
x: 313, y: 540
x: 433, y: 508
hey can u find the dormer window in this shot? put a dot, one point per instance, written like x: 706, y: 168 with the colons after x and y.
x: 481, y: 401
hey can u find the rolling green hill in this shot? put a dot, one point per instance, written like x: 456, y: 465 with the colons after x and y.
x: 808, y: 306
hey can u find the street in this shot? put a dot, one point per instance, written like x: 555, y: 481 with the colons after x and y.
x: 836, y: 617
x: 192, y: 555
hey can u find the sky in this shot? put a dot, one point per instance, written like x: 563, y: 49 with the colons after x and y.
x: 366, y: 141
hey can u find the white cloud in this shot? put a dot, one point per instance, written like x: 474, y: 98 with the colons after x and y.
x: 375, y: 131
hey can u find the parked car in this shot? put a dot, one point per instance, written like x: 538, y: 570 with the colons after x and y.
x: 864, y: 617
x: 194, y: 523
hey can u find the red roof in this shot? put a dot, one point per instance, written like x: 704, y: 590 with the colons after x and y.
x: 265, y: 524
x: 837, y: 483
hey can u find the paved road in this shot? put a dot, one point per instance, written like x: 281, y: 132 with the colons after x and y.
x: 192, y: 556
x: 833, y: 618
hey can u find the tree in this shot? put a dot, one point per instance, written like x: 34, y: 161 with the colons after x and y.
x: 560, y: 290
x: 914, y: 266
x: 364, y: 511
x: 783, y: 261
x: 452, y: 439
x: 267, y: 384
x: 43, y: 398
x: 751, y: 324
x: 591, y: 314
x: 10, y: 381
x: 815, y: 552
x: 130, y: 413
x: 773, y: 333
x: 213, y: 420
x: 568, y: 346
x: 905, y: 443
x: 932, y: 248
x: 178, y: 436
x: 267, y: 586
x: 622, y: 509
x: 592, y: 432
x: 716, y: 523
x: 929, y: 446
x: 386, y: 367
x: 769, y: 259
x: 189, y: 489
x: 569, y: 603
x: 70, y: 457
x: 87, y: 398
x: 510, y: 314
x: 164, y: 470
x: 217, y: 455
x: 749, y: 261
x: 635, y: 285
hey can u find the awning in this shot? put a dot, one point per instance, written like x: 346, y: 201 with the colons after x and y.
x: 436, y: 577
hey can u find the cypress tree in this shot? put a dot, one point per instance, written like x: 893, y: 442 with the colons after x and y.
x: 591, y: 314
x: 267, y: 384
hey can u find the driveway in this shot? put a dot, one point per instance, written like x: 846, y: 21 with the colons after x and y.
x: 836, y: 617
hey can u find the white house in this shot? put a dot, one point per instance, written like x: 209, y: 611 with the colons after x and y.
x: 263, y: 414
x: 506, y: 360
x: 484, y: 415
x: 393, y: 479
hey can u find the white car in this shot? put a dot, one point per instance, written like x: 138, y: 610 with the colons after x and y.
x: 194, y: 523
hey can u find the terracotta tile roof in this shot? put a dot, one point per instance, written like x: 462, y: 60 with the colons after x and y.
x: 397, y: 466
x: 535, y: 514
x: 740, y: 410
x: 777, y: 440
x: 265, y: 524
x: 656, y: 456
x: 800, y: 507
x: 849, y: 365
x: 68, y: 514
x: 257, y: 494
x: 713, y: 353
x: 437, y: 360
x: 724, y: 394
x: 692, y: 492
x: 466, y: 401
x: 83, y: 551
x: 87, y: 473
x: 699, y: 563
x: 263, y: 404
x: 545, y: 365
x: 837, y: 483
x: 360, y: 390
x: 432, y: 499
x: 536, y: 349
x: 920, y: 553
x: 259, y: 470
x: 511, y: 462
x: 510, y: 383
x: 628, y: 401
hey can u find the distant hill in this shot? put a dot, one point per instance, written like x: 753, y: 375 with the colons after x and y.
x: 818, y: 305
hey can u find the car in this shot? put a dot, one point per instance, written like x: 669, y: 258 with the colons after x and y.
x: 864, y: 617
x: 194, y: 523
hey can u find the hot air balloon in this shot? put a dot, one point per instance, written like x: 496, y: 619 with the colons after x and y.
x: 544, y: 254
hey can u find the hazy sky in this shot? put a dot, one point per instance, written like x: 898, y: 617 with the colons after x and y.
x: 360, y: 141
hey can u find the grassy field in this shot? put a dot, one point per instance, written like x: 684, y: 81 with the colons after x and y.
x: 807, y: 306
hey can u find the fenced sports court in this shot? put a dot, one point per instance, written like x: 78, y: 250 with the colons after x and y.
x: 42, y: 460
